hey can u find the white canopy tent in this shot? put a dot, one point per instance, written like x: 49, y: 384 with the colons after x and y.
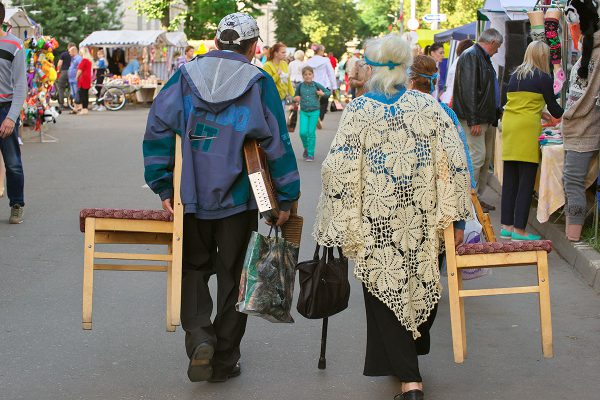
x: 21, y: 25
x: 124, y: 38
x: 160, y: 44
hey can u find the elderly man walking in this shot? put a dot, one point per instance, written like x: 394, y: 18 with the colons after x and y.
x: 476, y: 101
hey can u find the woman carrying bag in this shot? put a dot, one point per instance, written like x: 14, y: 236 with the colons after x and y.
x: 396, y: 176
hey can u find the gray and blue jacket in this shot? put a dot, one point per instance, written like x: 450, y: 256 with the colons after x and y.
x: 215, y: 103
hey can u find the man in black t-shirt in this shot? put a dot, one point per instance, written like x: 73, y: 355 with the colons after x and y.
x: 62, y: 83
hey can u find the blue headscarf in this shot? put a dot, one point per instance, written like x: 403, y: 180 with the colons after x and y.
x: 431, y: 79
x: 389, y: 64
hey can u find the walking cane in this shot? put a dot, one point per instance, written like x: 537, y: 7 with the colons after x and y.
x: 322, y: 360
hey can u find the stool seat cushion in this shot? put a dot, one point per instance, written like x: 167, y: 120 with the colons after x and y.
x: 504, y: 247
x: 144, y: 215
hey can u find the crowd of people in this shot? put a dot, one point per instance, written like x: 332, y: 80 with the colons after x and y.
x: 77, y: 72
x: 400, y: 169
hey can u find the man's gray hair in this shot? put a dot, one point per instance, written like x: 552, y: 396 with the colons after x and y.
x: 491, y: 36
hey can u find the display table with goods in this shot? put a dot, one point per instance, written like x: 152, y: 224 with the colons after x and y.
x: 551, y: 194
x: 116, y: 90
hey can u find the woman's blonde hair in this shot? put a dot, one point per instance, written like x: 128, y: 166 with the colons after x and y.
x: 85, y: 53
x: 537, y: 56
x: 388, y: 49
x: 299, y: 55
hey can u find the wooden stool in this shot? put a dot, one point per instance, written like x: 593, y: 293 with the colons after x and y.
x: 152, y: 227
x: 491, y: 255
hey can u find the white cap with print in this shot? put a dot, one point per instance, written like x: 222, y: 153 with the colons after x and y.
x: 244, y: 24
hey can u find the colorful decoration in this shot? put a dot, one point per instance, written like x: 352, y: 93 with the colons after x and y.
x: 41, y: 75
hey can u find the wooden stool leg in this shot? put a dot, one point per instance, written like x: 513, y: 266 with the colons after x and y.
x: 456, y: 311
x: 88, y: 272
x: 176, y: 276
x: 461, y: 306
x: 170, y: 326
x: 544, y: 297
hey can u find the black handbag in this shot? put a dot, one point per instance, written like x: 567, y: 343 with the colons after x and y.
x: 324, y: 286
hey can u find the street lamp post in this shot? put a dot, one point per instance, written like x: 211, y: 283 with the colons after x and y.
x: 435, y: 9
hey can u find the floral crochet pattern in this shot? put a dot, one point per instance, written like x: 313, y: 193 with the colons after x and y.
x: 395, y: 177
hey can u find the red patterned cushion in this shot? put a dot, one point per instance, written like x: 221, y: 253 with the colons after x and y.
x: 146, y: 215
x: 504, y: 247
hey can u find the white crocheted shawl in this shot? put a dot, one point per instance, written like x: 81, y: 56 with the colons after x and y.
x: 395, y: 177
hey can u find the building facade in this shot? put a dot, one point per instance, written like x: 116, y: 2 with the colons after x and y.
x: 267, y: 24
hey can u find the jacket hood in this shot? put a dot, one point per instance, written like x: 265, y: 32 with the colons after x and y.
x: 219, y: 78
x: 317, y: 61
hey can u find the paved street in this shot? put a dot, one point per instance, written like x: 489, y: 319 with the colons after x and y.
x: 44, y: 353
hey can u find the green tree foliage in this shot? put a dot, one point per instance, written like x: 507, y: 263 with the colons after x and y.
x: 203, y: 16
x: 374, y: 15
x: 288, y: 17
x: 329, y: 22
x: 90, y: 15
x: 459, y: 12
x: 155, y: 9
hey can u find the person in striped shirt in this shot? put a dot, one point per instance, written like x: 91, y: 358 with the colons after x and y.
x: 13, y: 90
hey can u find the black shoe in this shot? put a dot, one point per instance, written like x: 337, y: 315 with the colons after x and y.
x: 200, y: 367
x: 486, y: 207
x: 410, y: 395
x: 221, y: 376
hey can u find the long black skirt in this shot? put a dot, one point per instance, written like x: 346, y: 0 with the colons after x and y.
x: 391, y: 349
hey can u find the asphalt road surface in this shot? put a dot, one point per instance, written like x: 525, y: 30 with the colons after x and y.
x: 97, y: 162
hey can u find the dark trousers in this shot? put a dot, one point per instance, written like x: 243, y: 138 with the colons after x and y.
x: 517, y: 190
x: 214, y: 247
x: 62, y: 83
x: 84, y: 97
x: 11, y: 152
x: 324, y: 104
x: 391, y: 349
x: 99, y: 83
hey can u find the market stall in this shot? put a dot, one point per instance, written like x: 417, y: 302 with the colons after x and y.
x: 514, y: 19
x: 468, y: 31
x: 152, y: 50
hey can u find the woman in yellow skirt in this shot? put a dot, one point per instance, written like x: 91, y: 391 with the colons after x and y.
x: 529, y: 90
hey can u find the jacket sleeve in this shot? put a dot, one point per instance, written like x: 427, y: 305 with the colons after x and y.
x: 324, y: 89
x: 19, y: 80
x: 547, y: 89
x: 467, y: 73
x: 166, y: 119
x: 290, y: 87
x: 331, y: 77
x: 278, y: 147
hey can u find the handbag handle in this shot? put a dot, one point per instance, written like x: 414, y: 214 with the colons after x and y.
x: 277, y: 235
x: 327, y: 252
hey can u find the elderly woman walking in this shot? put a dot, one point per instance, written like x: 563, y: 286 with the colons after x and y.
x: 396, y: 176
